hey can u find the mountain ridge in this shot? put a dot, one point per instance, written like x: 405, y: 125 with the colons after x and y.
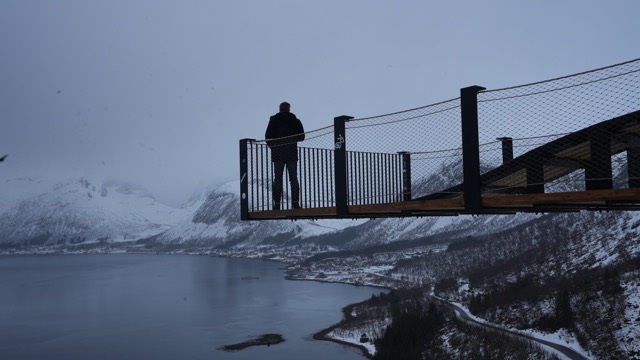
x: 81, y: 210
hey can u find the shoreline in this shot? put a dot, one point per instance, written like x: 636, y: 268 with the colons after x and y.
x: 322, y: 335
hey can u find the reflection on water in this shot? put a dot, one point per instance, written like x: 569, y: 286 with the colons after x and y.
x: 162, y: 307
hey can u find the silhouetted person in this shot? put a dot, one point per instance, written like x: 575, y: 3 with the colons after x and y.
x: 282, y: 135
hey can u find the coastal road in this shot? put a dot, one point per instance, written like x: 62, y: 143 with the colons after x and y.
x: 567, y: 351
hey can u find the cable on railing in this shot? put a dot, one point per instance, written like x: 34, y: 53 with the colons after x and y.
x: 564, y: 77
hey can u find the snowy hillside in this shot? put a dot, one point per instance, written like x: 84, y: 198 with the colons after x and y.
x: 82, y: 210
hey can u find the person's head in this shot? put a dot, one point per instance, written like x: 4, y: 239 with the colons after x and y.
x: 285, y: 107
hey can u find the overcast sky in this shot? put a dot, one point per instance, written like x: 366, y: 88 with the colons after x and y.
x: 159, y: 92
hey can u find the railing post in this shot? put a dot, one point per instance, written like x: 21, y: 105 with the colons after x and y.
x: 244, y: 179
x: 598, y: 172
x: 340, y: 164
x: 470, y: 147
x: 406, y: 175
x: 507, y: 149
x: 535, y: 178
x: 633, y: 165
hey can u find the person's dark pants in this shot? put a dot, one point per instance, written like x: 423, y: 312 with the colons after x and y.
x: 278, y: 170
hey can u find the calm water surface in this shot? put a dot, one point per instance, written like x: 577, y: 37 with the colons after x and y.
x: 123, y: 306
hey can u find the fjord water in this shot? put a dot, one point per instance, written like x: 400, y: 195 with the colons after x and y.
x: 127, y: 306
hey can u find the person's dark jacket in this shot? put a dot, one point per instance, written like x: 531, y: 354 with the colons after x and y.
x: 282, y: 135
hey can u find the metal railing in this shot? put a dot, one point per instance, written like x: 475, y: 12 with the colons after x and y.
x: 372, y: 178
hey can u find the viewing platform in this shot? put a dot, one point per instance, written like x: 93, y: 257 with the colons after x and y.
x: 561, y: 145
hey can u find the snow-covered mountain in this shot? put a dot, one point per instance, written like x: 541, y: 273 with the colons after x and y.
x: 81, y: 211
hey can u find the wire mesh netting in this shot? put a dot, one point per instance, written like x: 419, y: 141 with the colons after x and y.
x: 430, y: 138
x: 542, y: 114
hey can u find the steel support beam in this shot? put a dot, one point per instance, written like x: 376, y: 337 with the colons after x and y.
x: 244, y: 181
x: 340, y: 163
x: 470, y: 148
